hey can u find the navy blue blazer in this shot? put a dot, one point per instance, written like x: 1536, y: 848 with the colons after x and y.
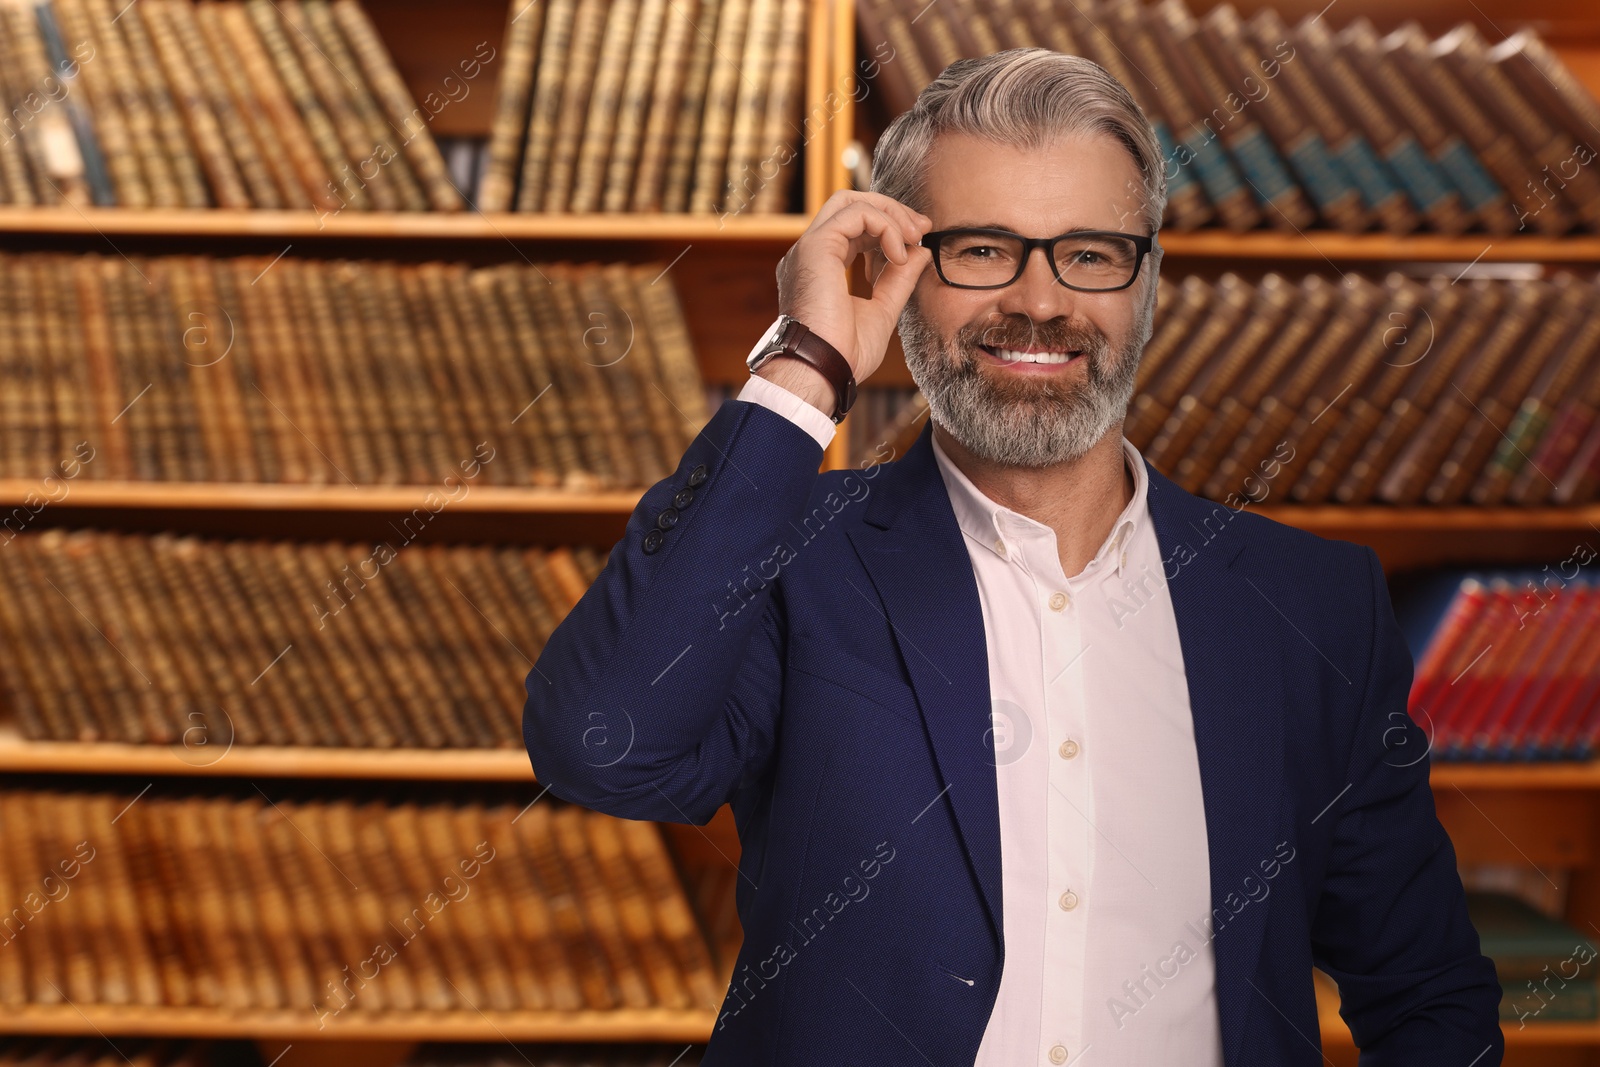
x: 809, y: 648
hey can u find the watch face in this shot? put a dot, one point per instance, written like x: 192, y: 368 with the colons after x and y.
x: 767, y: 342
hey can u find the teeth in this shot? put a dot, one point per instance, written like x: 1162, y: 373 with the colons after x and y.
x: 1031, y: 357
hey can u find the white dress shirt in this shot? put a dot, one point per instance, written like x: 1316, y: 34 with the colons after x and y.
x: 1105, y: 868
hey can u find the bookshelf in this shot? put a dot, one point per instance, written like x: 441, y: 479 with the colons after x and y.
x: 724, y: 273
x: 1542, y: 817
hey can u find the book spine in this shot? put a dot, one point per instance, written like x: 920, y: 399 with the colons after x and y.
x: 420, y: 149
x: 508, y: 128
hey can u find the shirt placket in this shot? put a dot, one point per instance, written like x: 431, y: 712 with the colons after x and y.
x: 1067, y: 793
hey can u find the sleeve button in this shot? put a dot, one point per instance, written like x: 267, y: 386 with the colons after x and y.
x: 668, y: 518
x: 698, y: 475
x: 652, y: 541
x: 683, y: 499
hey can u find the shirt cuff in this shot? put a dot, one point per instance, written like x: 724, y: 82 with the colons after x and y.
x: 791, y: 406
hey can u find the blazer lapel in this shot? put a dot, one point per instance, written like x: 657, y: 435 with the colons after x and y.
x: 917, y: 560
x: 1228, y: 632
x: 914, y: 553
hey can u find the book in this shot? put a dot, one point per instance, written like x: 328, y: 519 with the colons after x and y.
x: 311, y: 371
x: 1502, y: 671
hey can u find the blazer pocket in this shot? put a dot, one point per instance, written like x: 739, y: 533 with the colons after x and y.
x: 833, y: 664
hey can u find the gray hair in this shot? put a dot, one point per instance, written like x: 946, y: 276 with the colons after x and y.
x: 1022, y: 97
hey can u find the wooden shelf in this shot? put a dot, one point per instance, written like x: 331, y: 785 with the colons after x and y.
x: 1313, y: 246
x: 1562, y: 775
x: 403, y: 225
x: 252, y: 496
x: 690, y: 1025
x: 484, y: 513
x: 1402, y: 537
x: 1319, y: 246
x: 113, y: 757
x: 18, y: 755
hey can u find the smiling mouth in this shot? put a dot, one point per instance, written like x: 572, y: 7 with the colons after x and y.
x: 1006, y: 355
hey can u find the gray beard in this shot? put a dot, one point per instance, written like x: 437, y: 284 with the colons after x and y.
x: 1025, y: 423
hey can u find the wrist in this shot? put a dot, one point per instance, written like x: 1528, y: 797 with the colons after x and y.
x: 801, y: 379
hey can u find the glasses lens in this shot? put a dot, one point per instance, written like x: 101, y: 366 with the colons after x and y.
x: 979, y: 258
x: 987, y: 259
x: 1096, y: 262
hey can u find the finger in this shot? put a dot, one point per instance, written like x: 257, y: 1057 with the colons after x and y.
x: 845, y: 199
x: 894, y: 285
x: 866, y: 226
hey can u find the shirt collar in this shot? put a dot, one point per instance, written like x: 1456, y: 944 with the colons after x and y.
x: 987, y: 522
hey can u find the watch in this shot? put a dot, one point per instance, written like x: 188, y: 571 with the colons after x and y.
x: 788, y: 336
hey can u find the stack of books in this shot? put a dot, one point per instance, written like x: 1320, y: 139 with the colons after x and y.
x: 330, y: 902
x: 1388, y: 390
x: 1380, y: 391
x: 164, y: 639
x: 1546, y: 967
x: 1505, y: 664
x: 1262, y: 124
x: 290, y: 370
x: 290, y: 104
x: 649, y: 106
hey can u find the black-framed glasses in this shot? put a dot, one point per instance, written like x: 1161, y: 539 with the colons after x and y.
x: 1090, y: 261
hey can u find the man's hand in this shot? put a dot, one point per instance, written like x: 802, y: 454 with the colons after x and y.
x: 813, y: 285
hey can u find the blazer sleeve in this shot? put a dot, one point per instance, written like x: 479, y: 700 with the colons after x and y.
x: 657, y: 696
x: 1391, y: 926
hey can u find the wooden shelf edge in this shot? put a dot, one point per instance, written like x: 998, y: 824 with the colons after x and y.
x: 110, y: 757
x: 511, y: 764
x: 1358, y: 518
x: 634, y: 1024
x: 1310, y: 245
x: 210, y: 496
x: 406, y: 225
x: 1336, y: 1035
x: 1321, y: 245
x: 244, y: 496
x: 1553, y: 775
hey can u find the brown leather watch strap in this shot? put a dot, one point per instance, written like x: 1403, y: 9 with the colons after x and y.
x: 798, y: 341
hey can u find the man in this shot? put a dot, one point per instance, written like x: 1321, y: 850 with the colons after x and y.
x: 1035, y: 757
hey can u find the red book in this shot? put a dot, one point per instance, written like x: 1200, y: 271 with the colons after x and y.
x: 1542, y: 737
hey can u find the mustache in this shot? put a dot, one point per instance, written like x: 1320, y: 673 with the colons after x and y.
x: 1064, y: 336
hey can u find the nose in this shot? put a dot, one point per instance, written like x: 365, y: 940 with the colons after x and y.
x: 1037, y: 294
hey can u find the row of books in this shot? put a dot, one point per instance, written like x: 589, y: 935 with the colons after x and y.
x: 231, y: 103
x: 116, y: 1051
x: 336, y: 904
x: 1364, y: 390
x: 1264, y: 124
x: 1355, y: 392
x: 205, y: 642
x: 254, y: 369
x: 649, y: 106
x: 1505, y: 663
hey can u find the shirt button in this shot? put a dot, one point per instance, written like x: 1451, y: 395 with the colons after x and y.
x: 1069, y: 900
x: 1058, y: 601
x: 1000, y: 547
x: 1058, y: 1054
x: 1069, y: 748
